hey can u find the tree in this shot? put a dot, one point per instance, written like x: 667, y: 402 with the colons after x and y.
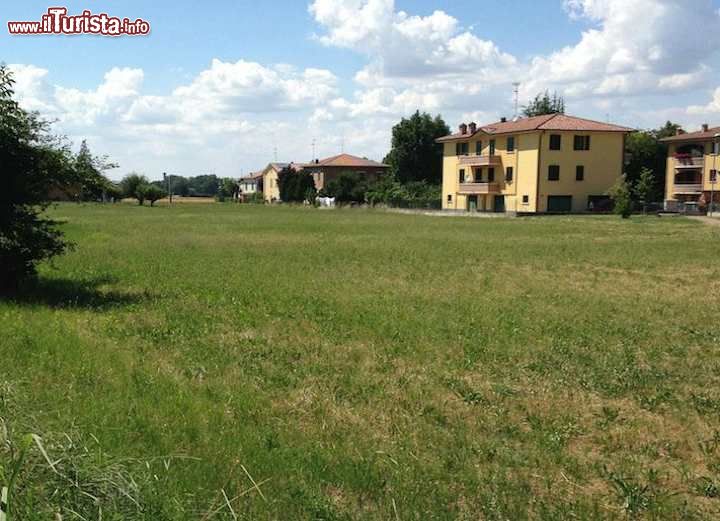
x: 414, y: 155
x: 620, y: 193
x: 31, y: 160
x: 228, y: 188
x: 347, y: 187
x: 295, y: 186
x: 545, y: 104
x: 644, y: 150
x: 134, y: 185
x: 644, y: 187
x: 89, y: 169
x: 152, y: 193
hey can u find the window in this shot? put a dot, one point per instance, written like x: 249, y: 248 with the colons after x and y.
x: 462, y: 175
x: 713, y: 176
x: 554, y: 173
x: 478, y: 175
x: 491, y: 175
x: 509, y: 174
x: 478, y: 148
x: 581, y: 143
x: 526, y: 199
x: 715, y: 147
x: 579, y: 173
x: 511, y: 144
x: 461, y: 149
x: 555, y: 141
x: 492, y: 147
x: 449, y: 198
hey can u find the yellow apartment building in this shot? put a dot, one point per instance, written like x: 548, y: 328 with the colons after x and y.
x: 550, y: 163
x: 692, y: 165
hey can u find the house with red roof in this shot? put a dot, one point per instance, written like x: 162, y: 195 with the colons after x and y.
x: 553, y: 163
x: 692, y: 165
x: 323, y: 171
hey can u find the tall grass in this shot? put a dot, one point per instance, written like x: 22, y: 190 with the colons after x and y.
x: 243, y: 362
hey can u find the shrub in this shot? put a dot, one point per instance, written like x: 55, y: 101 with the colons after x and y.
x: 622, y: 198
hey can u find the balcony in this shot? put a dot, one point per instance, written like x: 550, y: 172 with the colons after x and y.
x: 683, y: 162
x: 478, y: 188
x: 687, y: 188
x: 480, y: 160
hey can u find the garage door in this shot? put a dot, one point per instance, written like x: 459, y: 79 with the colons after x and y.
x: 559, y: 203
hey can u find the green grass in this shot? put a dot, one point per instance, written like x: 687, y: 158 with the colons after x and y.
x: 365, y: 365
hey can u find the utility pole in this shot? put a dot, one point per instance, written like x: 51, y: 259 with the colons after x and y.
x: 168, y: 188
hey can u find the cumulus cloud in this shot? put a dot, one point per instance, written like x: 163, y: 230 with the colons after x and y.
x: 633, y: 47
x: 642, y: 59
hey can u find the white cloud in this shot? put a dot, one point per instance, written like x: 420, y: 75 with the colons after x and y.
x: 712, y: 107
x: 638, y: 61
x: 635, y: 46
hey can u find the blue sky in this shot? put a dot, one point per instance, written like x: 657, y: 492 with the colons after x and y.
x: 219, y: 89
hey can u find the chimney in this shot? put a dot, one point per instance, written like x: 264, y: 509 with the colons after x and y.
x: 679, y: 132
x: 473, y: 127
x: 503, y: 120
x: 705, y: 127
x: 463, y: 128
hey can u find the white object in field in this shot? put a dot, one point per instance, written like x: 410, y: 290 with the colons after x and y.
x: 326, y: 202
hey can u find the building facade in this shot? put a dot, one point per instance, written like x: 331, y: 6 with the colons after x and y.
x: 551, y: 163
x: 323, y: 171
x: 692, y: 164
x: 250, y: 185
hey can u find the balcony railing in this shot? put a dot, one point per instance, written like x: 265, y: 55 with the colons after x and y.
x: 689, y: 162
x: 480, y: 160
x: 478, y: 188
x: 688, y: 188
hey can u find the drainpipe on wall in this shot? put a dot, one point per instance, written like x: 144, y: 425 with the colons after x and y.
x: 537, y: 180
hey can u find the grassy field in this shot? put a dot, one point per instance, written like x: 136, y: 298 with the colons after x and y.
x: 241, y: 362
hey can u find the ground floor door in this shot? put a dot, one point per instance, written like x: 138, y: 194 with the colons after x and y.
x: 499, y: 205
x: 559, y: 203
x: 472, y: 203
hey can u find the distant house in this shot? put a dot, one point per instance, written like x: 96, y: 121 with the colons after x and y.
x: 250, y: 184
x: 692, y: 165
x: 325, y: 170
x: 269, y: 175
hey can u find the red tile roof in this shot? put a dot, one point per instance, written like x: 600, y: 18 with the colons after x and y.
x: 546, y: 122
x: 347, y: 160
x: 694, y: 136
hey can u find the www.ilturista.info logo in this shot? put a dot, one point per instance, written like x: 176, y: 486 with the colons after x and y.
x: 57, y: 21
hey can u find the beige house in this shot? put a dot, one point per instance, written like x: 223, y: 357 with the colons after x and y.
x: 692, y: 165
x: 322, y: 170
x: 550, y: 163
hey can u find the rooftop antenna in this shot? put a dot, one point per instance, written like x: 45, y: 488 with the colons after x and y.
x: 313, y: 146
x: 342, y: 145
x: 275, y: 153
x: 516, y: 94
